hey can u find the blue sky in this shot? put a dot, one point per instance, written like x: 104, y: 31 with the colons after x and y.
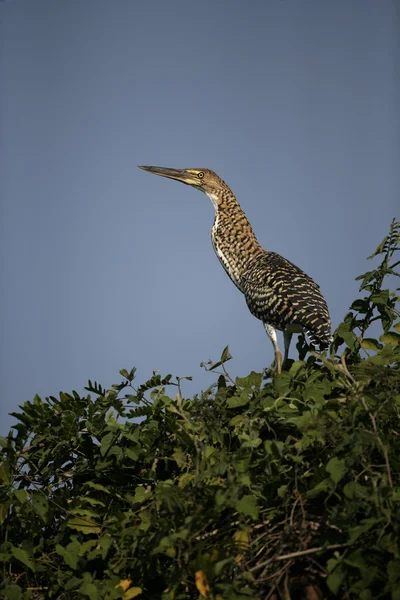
x: 294, y: 104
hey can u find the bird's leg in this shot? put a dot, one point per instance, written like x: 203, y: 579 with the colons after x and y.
x: 287, y: 338
x: 271, y: 332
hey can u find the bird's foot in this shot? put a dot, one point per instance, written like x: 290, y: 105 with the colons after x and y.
x: 272, y: 371
x: 287, y: 363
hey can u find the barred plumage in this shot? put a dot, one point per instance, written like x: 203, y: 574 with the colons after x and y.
x: 277, y: 292
x: 282, y: 295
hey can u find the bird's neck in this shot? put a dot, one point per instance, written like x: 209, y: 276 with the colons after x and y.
x: 233, y: 238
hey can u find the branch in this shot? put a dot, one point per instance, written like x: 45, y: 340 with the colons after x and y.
x: 379, y: 440
x: 295, y: 555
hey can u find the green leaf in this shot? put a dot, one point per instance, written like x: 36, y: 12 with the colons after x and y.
x: 165, y: 400
x: 132, y: 454
x: 21, y: 495
x: 145, y: 518
x: 248, y: 506
x: 360, y: 305
x: 366, y: 277
x: 282, y: 383
x: 348, y: 336
x: 88, y: 548
x: 83, y: 511
x: 358, y: 530
x: 105, y: 544
x: 391, y: 338
x: 90, y: 590
x: 282, y: 491
x: 209, y: 451
x: 106, y: 442
x: 296, y: 367
x: 40, y: 505
x: 23, y: 557
x: 225, y: 356
x: 186, y: 479
x: 356, y: 559
x: 132, y: 593
x: 129, y: 376
x: 274, y: 448
x: 117, y: 452
x: 70, y: 554
x: 252, y: 381
x: 370, y: 344
x: 91, y: 501
x: 4, y: 508
x: 381, y: 248
x: 336, y: 468
x: 238, y: 400
x: 386, y: 356
x: 320, y: 488
x: 354, y: 490
x: 336, y: 577
x: 5, y: 476
x: 393, y: 570
x: 12, y: 592
x: 317, y: 391
x: 380, y: 298
x: 141, y: 494
x: 97, y: 486
x: 72, y: 583
x: 86, y: 526
x: 222, y: 564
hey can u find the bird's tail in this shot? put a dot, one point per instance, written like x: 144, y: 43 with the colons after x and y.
x: 322, y: 339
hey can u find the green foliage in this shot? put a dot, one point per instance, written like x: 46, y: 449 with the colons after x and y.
x: 254, y: 489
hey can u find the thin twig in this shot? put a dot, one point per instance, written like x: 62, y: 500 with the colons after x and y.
x: 379, y: 440
x: 274, y: 587
x: 227, y: 374
x: 293, y: 509
x: 345, y: 369
x: 296, y: 554
x: 29, y: 448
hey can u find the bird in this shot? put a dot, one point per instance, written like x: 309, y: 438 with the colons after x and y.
x: 276, y: 291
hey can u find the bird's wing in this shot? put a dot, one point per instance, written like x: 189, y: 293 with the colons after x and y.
x: 279, y: 293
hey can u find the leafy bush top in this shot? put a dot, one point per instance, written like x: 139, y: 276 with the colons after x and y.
x: 254, y: 489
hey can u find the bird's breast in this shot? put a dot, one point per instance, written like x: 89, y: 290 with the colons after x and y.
x: 226, y: 254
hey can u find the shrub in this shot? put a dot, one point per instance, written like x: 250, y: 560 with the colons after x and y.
x: 253, y: 489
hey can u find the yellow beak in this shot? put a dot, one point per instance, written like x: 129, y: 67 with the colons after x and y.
x: 178, y: 174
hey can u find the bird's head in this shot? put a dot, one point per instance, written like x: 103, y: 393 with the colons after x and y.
x: 204, y: 180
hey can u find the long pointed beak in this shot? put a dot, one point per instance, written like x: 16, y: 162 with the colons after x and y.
x: 177, y: 174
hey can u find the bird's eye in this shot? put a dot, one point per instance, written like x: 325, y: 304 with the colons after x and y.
x: 200, y: 174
